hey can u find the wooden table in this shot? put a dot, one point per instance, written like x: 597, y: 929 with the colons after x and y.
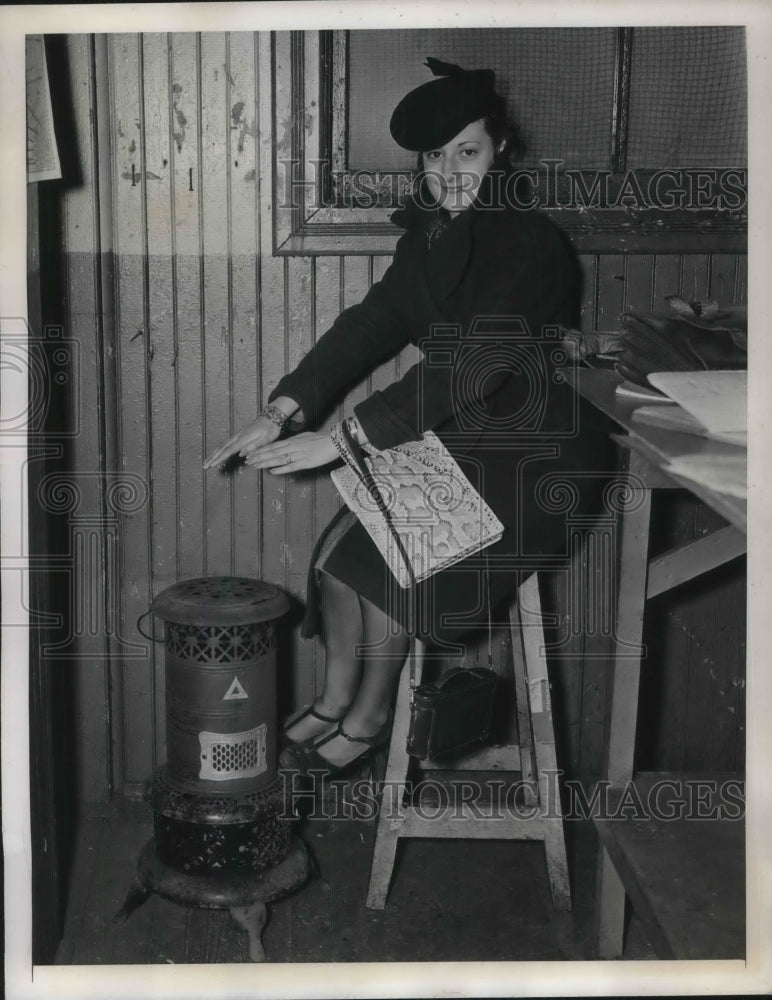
x: 628, y: 858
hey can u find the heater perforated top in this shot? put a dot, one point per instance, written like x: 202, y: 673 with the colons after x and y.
x: 220, y: 600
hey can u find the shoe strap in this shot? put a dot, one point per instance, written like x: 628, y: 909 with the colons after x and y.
x: 320, y: 717
x: 369, y: 740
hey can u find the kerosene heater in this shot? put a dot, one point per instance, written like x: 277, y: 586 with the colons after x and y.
x: 223, y: 831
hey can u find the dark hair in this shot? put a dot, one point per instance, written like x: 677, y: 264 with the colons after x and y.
x: 500, y: 129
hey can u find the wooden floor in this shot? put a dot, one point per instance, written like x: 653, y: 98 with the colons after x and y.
x: 451, y: 900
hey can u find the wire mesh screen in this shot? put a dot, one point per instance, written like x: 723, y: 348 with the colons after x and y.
x: 688, y: 104
x: 687, y: 91
x: 558, y: 83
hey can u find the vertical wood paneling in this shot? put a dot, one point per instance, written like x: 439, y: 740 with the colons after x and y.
x: 327, y: 305
x: 741, y: 280
x: 589, y: 266
x: 723, y: 276
x: 106, y: 380
x: 162, y: 423
x: 185, y: 155
x: 86, y: 640
x: 728, y: 278
x: 610, y: 300
x: 243, y: 223
x: 356, y: 282
x: 132, y: 348
x: 215, y: 248
x: 695, y: 276
x: 667, y: 279
x: 384, y: 374
x: 272, y: 331
x: 639, y: 282
x: 298, y: 539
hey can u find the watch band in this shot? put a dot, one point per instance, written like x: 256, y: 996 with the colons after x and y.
x: 275, y: 415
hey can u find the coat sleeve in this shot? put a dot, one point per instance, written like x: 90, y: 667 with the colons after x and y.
x: 361, y: 338
x: 532, y: 275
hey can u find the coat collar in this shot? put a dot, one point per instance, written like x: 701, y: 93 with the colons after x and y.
x: 447, y: 263
x: 419, y: 210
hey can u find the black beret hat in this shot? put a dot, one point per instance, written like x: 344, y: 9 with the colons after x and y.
x: 433, y: 113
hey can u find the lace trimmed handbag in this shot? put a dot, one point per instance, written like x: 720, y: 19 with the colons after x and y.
x: 415, y: 493
x: 424, y: 515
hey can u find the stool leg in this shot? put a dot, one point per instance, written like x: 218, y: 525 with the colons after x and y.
x: 544, y: 742
x: 387, y: 832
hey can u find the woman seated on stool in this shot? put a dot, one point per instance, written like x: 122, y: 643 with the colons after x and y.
x: 501, y: 279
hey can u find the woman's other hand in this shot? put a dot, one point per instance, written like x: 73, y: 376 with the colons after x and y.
x: 262, y: 432
x: 303, y: 451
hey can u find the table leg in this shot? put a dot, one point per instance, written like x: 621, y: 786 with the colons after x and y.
x: 619, y: 753
x: 628, y: 635
x: 610, y: 908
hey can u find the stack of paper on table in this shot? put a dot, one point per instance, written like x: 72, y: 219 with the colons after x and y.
x: 713, y: 404
x: 723, y: 473
x: 710, y: 403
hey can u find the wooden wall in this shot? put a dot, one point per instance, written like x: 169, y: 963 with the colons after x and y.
x: 186, y: 320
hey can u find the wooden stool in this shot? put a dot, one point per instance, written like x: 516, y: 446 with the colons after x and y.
x: 534, y: 759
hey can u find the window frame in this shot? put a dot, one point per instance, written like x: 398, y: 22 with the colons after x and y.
x: 312, y: 211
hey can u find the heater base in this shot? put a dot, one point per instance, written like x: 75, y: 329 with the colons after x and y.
x: 244, y: 894
x: 210, y: 831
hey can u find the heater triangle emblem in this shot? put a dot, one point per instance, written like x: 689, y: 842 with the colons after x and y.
x: 235, y: 691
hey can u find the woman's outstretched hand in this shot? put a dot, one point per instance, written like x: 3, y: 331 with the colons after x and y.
x: 302, y: 451
x: 262, y: 432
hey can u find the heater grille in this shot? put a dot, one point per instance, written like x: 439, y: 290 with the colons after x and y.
x: 228, y: 756
x: 219, y: 643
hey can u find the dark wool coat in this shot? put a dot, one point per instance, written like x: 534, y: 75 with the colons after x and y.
x: 484, y: 305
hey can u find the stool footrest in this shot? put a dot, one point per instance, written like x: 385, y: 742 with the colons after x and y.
x: 535, y: 816
x: 484, y: 758
x: 463, y: 823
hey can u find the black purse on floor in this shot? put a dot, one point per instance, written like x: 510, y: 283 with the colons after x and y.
x: 453, y: 713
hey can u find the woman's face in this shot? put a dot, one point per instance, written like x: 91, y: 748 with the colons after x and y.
x: 455, y: 170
